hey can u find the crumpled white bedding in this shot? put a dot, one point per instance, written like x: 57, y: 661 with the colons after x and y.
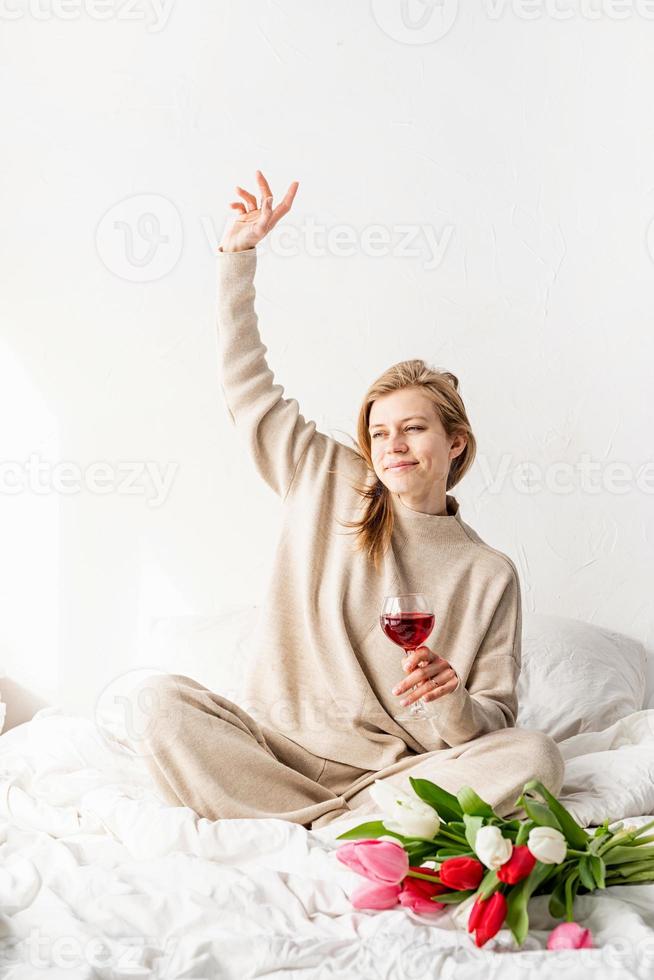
x: 99, y: 878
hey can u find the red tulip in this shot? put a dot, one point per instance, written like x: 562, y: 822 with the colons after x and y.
x: 518, y: 866
x: 417, y: 893
x: 486, y: 917
x: 461, y: 873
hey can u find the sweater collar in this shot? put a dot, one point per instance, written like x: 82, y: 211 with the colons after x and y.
x: 441, y: 529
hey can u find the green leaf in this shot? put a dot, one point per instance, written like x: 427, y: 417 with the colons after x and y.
x: 571, y: 830
x: 446, y: 804
x: 622, y: 853
x: 374, y: 829
x: 641, y: 876
x: 571, y: 885
x: 556, y: 906
x: 585, y: 875
x: 452, y: 898
x: 472, y: 826
x: 597, y: 841
x: 602, y: 829
x: 633, y: 867
x: 473, y: 805
x: 641, y: 830
x: 445, y: 854
x: 517, y: 919
x: 540, y: 814
x: 598, y: 870
x: 523, y: 833
x: 489, y: 884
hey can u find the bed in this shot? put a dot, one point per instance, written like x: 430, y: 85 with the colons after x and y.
x: 100, y: 878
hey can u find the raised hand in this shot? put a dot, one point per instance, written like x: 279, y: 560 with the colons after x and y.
x: 253, y: 221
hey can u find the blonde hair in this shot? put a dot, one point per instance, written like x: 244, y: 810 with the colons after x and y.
x: 375, y: 527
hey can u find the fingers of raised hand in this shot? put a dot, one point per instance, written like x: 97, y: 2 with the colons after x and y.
x: 250, y: 198
x: 264, y: 186
x: 285, y: 206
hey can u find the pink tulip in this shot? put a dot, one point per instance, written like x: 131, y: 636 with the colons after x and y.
x: 375, y: 896
x: 570, y: 935
x: 379, y: 860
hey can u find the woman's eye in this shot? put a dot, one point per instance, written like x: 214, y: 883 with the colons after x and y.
x: 418, y: 427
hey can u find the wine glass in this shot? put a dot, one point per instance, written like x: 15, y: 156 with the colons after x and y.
x: 407, y: 620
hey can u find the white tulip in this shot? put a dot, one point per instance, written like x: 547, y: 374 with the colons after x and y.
x: 547, y: 844
x: 403, y: 813
x: 492, y: 849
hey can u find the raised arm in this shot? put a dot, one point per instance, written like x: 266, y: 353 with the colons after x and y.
x: 273, y: 428
x: 277, y: 434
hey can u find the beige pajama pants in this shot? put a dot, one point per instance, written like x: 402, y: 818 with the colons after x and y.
x: 207, y: 753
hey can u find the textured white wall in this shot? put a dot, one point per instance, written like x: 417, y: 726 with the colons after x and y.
x: 475, y: 189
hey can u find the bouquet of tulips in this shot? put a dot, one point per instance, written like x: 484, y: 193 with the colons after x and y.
x: 447, y: 850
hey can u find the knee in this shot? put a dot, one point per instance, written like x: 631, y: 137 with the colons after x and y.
x: 543, y: 759
x: 151, y: 709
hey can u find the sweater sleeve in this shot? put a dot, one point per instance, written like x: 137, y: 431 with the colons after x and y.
x: 488, y: 700
x: 276, y: 433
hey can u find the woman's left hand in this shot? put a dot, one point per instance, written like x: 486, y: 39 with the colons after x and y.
x: 423, y: 667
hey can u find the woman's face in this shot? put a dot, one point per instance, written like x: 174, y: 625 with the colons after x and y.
x: 404, y: 426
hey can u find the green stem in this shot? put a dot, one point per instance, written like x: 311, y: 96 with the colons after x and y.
x: 641, y: 830
x: 626, y: 839
x: 638, y: 876
x: 417, y: 874
x: 451, y: 835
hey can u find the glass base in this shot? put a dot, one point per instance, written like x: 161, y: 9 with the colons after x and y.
x: 417, y: 710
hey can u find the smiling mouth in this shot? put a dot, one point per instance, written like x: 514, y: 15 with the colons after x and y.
x: 403, y: 466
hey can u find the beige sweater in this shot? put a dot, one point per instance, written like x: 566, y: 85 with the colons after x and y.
x: 323, y: 670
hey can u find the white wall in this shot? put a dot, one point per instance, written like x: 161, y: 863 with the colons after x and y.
x: 507, y: 159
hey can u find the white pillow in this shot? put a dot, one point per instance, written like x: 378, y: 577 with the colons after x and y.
x: 211, y: 649
x: 577, y: 677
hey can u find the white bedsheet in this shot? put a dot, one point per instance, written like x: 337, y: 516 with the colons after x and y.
x: 99, y: 878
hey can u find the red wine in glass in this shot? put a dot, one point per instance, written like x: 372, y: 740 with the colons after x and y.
x: 408, y: 620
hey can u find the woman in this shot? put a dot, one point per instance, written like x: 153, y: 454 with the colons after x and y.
x: 318, y: 724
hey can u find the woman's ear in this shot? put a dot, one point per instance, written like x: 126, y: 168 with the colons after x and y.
x: 459, y: 443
